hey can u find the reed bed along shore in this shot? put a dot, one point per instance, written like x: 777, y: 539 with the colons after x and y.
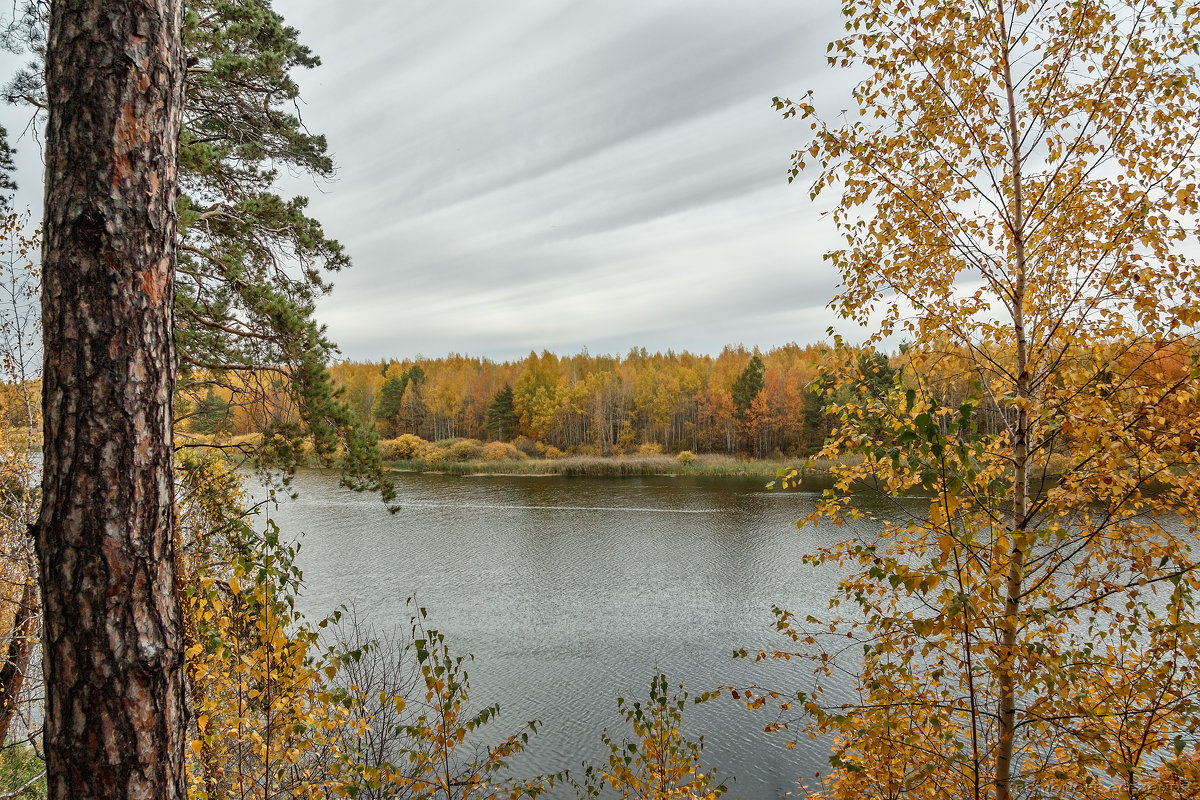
x: 617, y: 466
x: 471, y: 457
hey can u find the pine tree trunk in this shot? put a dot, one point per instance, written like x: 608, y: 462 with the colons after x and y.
x: 113, y: 650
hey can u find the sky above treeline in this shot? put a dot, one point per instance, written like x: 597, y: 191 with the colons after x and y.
x: 547, y: 174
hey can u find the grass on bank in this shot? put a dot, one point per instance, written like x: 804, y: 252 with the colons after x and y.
x: 409, y: 453
x: 613, y: 466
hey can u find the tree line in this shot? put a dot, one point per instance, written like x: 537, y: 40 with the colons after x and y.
x: 745, y: 402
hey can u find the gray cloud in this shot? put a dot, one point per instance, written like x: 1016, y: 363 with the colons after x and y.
x: 546, y: 174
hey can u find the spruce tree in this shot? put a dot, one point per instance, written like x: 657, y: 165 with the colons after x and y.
x: 747, y: 386
x: 391, y: 402
x: 876, y: 374
x: 7, y: 184
x: 502, y: 418
x: 211, y: 414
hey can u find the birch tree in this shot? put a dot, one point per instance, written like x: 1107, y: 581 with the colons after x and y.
x: 1016, y: 189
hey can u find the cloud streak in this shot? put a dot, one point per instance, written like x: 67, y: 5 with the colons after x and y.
x: 540, y: 174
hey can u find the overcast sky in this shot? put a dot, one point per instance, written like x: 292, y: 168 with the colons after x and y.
x: 547, y: 174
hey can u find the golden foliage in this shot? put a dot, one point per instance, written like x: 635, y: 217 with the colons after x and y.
x: 282, y: 712
x: 501, y: 451
x: 268, y: 716
x: 1018, y: 199
x: 592, y: 405
x: 659, y: 763
x: 404, y: 448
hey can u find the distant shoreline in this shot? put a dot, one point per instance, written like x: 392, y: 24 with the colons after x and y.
x: 618, y: 466
x: 471, y: 457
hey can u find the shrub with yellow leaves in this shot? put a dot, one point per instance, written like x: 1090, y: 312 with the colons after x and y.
x: 287, y: 709
x: 659, y: 763
x: 269, y: 716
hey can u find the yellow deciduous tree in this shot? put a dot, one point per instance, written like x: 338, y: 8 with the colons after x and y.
x: 20, y: 335
x: 283, y: 708
x: 269, y: 717
x: 1017, y: 193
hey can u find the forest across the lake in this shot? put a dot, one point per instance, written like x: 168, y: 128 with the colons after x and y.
x: 741, y: 412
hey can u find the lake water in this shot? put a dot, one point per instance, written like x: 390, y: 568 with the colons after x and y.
x: 572, y: 591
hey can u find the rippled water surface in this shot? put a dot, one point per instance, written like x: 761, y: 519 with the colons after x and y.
x: 571, y: 591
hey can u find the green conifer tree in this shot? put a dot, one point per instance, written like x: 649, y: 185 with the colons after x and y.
x: 502, y: 419
x: 251, y: 262
x: 747, y: 386
x: 7, y: 184
x: 211, y: 414
x: 391, y: 402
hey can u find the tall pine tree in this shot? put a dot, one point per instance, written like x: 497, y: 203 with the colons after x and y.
x: 115, y: 716
x: 252, y: 262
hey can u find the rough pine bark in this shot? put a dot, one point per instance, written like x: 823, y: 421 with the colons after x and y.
x: 115, y: 715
